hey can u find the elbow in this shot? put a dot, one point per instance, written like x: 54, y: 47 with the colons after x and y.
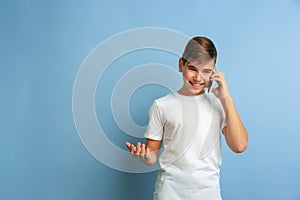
x: 239, y: 148
x: 238, y: 144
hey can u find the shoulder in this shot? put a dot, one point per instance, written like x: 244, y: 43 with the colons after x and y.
x: 165, y: 99
x: 166, y: 103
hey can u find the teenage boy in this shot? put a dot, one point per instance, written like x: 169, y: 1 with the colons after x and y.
x: 189, y: 123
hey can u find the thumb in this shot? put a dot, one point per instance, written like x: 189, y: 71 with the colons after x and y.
x: 216, y: 92
x: 213, y: 90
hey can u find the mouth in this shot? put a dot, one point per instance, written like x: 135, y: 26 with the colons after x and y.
x: 196, y: 85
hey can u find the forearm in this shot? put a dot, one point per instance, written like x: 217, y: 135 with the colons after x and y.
x: 235, y: 133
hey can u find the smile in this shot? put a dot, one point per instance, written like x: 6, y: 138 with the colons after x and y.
x: 196, y: 85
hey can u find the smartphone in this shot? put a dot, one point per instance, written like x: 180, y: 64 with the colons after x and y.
x: 210, y: 83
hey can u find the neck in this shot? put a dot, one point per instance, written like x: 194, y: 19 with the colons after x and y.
x: 184, y: 92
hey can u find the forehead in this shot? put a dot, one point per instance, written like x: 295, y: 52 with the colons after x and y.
x: 200, y: 65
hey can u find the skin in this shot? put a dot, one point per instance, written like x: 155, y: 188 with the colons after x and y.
x: 196, y: 77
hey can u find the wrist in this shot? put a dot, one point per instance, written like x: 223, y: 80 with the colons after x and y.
x: 227, y: 101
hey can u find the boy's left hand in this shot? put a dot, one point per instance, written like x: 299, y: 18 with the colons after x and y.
x: 221, y: 91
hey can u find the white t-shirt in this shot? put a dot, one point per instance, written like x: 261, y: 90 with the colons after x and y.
x: 190, y: 128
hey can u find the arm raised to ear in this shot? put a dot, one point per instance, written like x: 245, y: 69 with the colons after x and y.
x: 235, y: 133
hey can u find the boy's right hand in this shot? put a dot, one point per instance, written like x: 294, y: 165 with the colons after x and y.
x: 139, y: 151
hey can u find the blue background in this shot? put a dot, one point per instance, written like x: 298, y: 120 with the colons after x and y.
x: 43, y: 43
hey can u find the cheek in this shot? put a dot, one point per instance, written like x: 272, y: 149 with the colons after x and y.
x: 207, y: 80
x: 188, y: 74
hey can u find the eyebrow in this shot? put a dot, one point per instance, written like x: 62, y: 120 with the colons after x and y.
x: 207, y: 70
x: 193, y: 67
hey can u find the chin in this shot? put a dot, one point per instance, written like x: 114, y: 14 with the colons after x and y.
x: 197, y: 92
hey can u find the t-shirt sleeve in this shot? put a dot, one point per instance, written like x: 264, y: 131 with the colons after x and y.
x: 155, y: 127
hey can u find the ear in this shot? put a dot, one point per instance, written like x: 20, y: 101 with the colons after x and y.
x: 180, y: 65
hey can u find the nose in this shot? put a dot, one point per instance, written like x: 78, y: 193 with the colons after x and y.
x: 198, y: 76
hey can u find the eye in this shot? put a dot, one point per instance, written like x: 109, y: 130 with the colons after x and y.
x: 207, y: 71
x: 192, y: 68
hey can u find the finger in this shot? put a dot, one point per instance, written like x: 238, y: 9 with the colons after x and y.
x: 221, y: 82
x: 214, y: 76
x: 138, y: 148
x: 128, y: 145
x: 147, y: 153
x: 218, y: 79
x: 132, y: 147
x: 134, y: 150
x: 218, y: 73
x: 143, y: 151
